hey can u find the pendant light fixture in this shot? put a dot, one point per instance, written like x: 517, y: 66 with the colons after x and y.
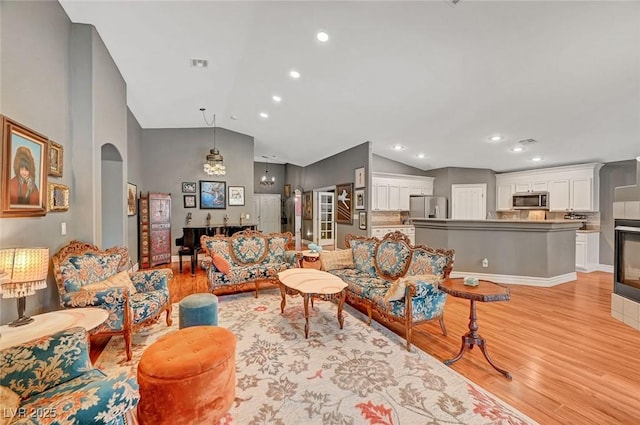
x: 266, y: 180
x: 214, y: 166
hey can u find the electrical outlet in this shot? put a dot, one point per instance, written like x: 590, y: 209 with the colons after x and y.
x: 485, y: 263
x: 63, y: 228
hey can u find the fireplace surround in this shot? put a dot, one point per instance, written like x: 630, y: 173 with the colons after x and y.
x: 627, y: 259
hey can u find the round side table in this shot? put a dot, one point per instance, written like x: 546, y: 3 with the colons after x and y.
x: 310, y: 260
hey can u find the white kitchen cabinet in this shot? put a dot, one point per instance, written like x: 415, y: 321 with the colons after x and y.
x: 380, y: 197
x: 573, y: 187
x: 587, y: 251
x: 559, y: 195
x: 504, y: 194
x: 410, y: 232
x: 391, y: 192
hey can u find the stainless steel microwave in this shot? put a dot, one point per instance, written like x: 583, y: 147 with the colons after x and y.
x: 530, y: 201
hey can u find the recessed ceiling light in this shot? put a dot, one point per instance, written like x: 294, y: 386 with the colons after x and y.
x: 234, y: 117
x: 420, y: 155
x: 322, y: 36
x: 536, y: 158
x: 495, y: 138
x: 294, y: 74
x: 398, y: 147
x: 276, y: 98
x: 517, y: 149
x: 264, y: 115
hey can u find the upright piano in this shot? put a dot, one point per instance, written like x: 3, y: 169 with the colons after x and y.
x: 189, y: 242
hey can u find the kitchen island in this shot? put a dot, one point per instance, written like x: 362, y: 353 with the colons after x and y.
x: 526, y: 252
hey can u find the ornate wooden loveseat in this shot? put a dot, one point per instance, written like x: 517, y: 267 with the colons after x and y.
x: 246, y: 260
x: 392, y: 278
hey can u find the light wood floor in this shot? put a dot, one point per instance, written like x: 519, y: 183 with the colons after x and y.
x: 571, y: 362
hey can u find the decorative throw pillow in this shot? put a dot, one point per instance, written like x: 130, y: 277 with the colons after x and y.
x: 9, y: 403
x: 118, y: 280
x: 395, y: 291
x: 221, y: 263
x: 335, y: 260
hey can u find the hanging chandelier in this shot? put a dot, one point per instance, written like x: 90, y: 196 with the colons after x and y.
x: 266, y: 180
x: 214, y: 165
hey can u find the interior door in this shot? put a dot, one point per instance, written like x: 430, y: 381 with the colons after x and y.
x: 468, y: 201
x: 267, y: 212
x: 324, y: 223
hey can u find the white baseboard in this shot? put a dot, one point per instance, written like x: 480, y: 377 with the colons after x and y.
x: 605, y: 268
x: 545, y: 282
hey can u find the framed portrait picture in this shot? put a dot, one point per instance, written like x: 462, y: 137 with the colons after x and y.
x: 189, y: 187
x: 213, y: 195
x: 236, y: 195
x: 25, y: 158
x: 189, y: 201
x: 362, y: 220
x: 344, y: 201
x: 55, y: 159
x: 132, y: 199
x: 359, y: 177
x: 359, y: 195
x: 58, y: 197
x: 307, y: 206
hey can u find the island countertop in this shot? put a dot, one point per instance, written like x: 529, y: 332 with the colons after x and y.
x: 491, y: 224
x: 529, y: 252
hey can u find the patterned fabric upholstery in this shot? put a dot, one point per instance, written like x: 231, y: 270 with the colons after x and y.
x: 126, y: 310
x: 392, y: 258
x: 254, y: 258
x: 364, y: 256
x: 380, y: 262
x: 54, y: 374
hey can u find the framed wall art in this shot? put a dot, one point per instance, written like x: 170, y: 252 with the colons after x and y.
x: 307, y: 206
x: 132, y: 195
x: 25, y: 158
x: 359, y: 177
x: 362, y: 220
x: 344, y: 201
x: 213, y: 195
x: 236, y: 195
x: 58, y: 197
x: 189, y: 201
x: 189, y: 187
x: 55, y: 159
x: 359, y: 194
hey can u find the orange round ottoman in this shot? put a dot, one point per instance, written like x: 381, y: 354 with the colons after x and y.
x: 188, y: 377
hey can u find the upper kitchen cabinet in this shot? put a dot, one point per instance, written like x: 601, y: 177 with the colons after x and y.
x: 391, y: 192
x: 571, y: 188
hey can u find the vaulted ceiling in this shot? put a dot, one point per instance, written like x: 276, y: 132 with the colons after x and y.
x: 437, y: 79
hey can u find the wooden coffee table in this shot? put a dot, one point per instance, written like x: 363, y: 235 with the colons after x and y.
x: 50, y: 323
x: 312, y: 283
x: 485, y: 292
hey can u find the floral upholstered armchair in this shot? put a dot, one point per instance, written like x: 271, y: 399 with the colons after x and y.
x: 88, y: 277
x: 50, y: 380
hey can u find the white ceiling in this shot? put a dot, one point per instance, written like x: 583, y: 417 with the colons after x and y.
x: 436, y: 78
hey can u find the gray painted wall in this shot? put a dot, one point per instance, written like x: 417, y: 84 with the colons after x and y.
x: 173, y: 156
x: 381, y: 164
x: 134, y: 173
x: 612, y: 175
x: 53, y: 70
x: 337, y: 169
x: 445, y: 177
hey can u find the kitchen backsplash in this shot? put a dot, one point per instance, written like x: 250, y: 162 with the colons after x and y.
x: 388, y: 217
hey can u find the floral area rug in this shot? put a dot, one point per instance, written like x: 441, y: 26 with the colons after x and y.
x: 357, y: 375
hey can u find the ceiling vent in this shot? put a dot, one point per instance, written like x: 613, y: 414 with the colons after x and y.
x: 525, y: 142
x: 199, y: 63
x: 454, y: 2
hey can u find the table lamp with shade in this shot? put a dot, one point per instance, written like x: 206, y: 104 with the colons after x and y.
x: 22, y: 272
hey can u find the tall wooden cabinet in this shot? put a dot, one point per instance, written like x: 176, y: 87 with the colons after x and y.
x: 155, y: 229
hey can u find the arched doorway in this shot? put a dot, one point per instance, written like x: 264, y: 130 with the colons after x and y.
x: 113, y: 211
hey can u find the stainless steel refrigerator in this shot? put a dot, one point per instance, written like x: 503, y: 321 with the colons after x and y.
x: 428, y: 207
